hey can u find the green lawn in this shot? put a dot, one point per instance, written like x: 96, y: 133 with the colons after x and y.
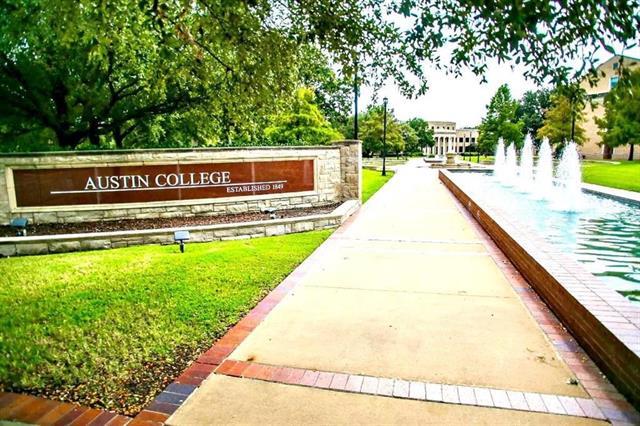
x: 111, y: 328
x: 486, y: 159
x: 615, y: 174
x: 376, y: 162
x: 372, y: 180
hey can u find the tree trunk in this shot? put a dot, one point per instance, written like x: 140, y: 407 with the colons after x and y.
x: 67, y: 139
x: 117, y: 137
x: 630, y: 152
x: 608, y: 153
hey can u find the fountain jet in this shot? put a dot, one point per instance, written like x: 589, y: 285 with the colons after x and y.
x: 525, y: 178
x: 510, y: 174
x: 498, y: 167
x: 569, y: 176
x: 544, y: 172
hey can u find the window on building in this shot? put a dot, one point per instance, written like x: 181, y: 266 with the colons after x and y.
x: 473, y: 140
x: 613, y: 82
x: 466, y: 139
x: 616, y: 65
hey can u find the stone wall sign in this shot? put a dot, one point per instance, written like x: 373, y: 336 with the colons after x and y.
x: 168, y: 182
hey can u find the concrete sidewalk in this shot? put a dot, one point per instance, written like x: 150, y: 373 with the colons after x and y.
x: 406, y: 290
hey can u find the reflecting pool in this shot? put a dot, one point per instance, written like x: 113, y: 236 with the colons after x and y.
x: 604, y: 234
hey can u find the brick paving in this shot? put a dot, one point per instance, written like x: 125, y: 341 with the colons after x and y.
x: 399, y: 388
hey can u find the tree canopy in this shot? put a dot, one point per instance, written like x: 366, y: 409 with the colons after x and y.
x: 372, y: 132
x: 531, y: 109
x: 621, y: 122
x: 563, y: 121
x: 304, y: 125
x: 424, y: 134
x: 124, y: 73
x: 500, y: 122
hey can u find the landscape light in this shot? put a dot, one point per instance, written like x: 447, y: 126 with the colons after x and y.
x: 20, y: 224
x: 271, y: 211
x: 180, y: 237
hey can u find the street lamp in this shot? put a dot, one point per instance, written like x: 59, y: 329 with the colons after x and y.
x: 385, y: 101
x: 355, y: 102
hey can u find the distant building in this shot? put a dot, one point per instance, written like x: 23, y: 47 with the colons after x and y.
x: 447, y: 135
x: 608, y: 72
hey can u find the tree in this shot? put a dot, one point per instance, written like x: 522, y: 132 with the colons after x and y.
x: 563, y: 121
x: 423, y: 132
x: 500, y: 122
x: 372, y: 128
x: 303, y: 125
x: 131, y: 71
x: 409, y: 143
x: 531, y: 110
x: 332, y: 91
x: 621, y: 122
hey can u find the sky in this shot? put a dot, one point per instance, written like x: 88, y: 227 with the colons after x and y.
x: 463, y: 99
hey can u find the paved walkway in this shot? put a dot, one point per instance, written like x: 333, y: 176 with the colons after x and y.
x: 407, y: 301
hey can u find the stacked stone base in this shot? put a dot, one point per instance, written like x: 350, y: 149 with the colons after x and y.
x: 46, y: 244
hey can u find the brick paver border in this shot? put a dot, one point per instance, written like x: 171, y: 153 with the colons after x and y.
x: 416, y: 390
x: 41, y: 411
x: 177, y: 393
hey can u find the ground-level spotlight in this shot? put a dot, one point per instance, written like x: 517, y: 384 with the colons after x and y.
x: 271, y: 211
x: 20, y: 225
x: 180, y: 237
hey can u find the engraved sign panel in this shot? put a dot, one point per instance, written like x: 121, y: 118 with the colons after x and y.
x: 169, y: 182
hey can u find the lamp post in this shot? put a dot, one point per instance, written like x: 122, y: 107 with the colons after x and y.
x: 385, y: 100
x: 355, y: 102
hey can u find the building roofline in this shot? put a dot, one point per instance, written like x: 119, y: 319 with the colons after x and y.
x: 618, y: 56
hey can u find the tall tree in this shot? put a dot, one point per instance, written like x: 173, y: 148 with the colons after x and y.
x: 563, y: 121
x: 372, y: 132
x: 423, y: 132
x: 531, y: 110
x: 621, y: 122
x: 304, y: 125
x: 500, y: 122
x: 410, y: 141
x: 332, y: 90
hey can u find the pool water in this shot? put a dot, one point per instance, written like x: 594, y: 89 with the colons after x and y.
x: 604, y: 235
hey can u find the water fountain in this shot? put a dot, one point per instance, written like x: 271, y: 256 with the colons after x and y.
x: 568, y: 195
x: 525, y: 174
x: 499, y: 164
x: 543, y: 181
x: 598, y: 231
x: 510, y: 173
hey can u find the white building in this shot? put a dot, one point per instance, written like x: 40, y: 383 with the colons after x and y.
x: 448, y: 137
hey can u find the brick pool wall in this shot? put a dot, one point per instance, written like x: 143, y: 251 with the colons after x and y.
x: 605, y: 323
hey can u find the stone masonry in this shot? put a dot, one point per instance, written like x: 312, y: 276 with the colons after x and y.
x: 338, y: 178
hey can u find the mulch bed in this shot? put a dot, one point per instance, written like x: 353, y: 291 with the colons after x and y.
x: 174, y: 222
